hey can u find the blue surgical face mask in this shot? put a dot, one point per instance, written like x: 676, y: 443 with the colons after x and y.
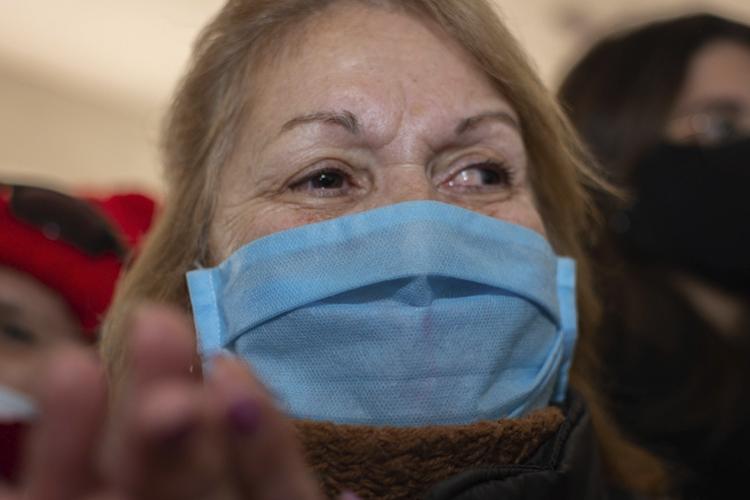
x: 413, y: 314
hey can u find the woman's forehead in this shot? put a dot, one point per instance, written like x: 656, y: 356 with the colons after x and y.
x: 382, y: 66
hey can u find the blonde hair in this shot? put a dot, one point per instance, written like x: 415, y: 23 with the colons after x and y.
x: 202, y: 127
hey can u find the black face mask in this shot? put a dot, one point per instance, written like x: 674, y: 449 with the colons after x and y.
x: 692, y: 210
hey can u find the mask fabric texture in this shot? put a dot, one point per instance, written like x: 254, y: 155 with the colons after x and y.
x: 413, y: 314
x: 692, y: 209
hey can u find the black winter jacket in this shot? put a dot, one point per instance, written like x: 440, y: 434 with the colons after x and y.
x: 568, y: 466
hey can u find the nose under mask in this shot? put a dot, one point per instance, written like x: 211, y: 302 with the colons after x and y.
x: 414, y: 314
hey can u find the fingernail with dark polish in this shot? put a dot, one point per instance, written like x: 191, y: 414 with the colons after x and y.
x: 244, y: 416
x: 177, y: 434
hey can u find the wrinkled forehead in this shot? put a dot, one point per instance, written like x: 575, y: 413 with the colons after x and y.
x: 384, y: 65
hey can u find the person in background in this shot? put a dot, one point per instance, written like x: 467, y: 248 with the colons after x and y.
x: 665, y: 108
x: 60, y: 258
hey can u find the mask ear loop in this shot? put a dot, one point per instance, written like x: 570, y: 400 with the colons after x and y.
x: 566, y: 297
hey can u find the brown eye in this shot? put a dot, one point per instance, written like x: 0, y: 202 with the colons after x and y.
x: 327, y: 180
x: 481, y: 176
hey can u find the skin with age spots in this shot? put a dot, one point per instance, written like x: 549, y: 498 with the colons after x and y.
x: 34, y: 321
x: 374, y: 108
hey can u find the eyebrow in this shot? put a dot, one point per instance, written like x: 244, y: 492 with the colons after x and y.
x: 344, y: 119
x: 348, y: 121
x: 473, y: 122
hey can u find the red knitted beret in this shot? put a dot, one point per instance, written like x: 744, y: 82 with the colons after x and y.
x: 85, y: 282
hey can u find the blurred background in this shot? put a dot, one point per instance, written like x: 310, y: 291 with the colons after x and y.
x: 84, y: 83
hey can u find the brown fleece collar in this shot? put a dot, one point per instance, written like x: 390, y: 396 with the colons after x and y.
x: 404, y: 463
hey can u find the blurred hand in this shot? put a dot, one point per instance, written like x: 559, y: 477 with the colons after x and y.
x: 170, y: 435
x: 62, y: 456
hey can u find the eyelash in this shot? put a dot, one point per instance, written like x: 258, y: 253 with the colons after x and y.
x: 506, y: 178
x: 505, y: 173
x: 300, y: 185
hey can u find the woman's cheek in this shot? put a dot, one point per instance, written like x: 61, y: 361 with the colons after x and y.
x: 233, y: 231
x: 520, y: 211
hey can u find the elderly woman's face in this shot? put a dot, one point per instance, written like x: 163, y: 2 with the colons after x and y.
x: 372, y: 108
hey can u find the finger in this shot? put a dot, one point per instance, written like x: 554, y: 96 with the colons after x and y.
x: 160, y: 415
x: 263, y: 452
x: 159, y: 348
x: 7, y: 494
x: 61, y: 457
x: 161, y: 345
x: 173, y: 452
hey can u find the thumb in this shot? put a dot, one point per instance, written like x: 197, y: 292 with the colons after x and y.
x: 61, y: 456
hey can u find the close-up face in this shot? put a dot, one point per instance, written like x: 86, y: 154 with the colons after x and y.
x: 370, y: 108
x: 33, y: 321
x: 713, y: 106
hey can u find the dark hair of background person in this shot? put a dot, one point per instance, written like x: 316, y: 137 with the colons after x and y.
x: 674, y: 383
x: 620, y: 93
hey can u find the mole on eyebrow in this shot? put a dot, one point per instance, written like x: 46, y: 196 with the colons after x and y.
x: 472, y: 122
x: 344, y: 119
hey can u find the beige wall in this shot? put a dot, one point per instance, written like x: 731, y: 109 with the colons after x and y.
x: 83, y: 83
x: 51, y: 133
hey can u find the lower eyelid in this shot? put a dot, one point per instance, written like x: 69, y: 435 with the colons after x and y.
x: 308, y: 177
x: 350, y: 187
x: 507, y: 184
